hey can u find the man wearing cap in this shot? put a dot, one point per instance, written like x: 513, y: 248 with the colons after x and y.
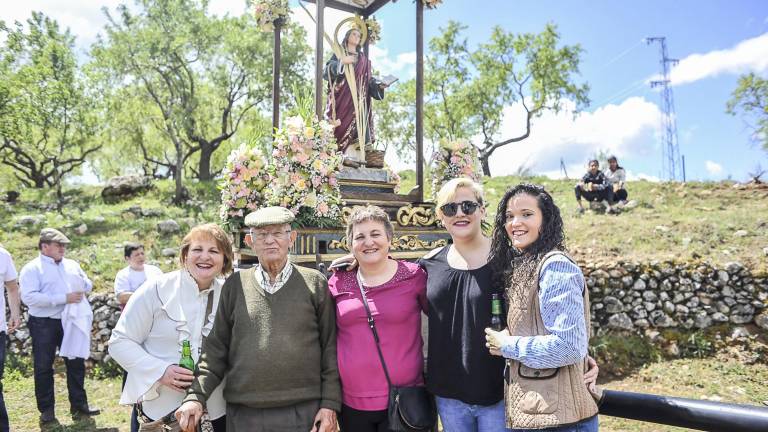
x: 48, y: 283
x: 275, y: 337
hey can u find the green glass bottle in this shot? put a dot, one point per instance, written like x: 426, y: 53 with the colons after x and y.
x: 497, y: 320
x: 186, y: 360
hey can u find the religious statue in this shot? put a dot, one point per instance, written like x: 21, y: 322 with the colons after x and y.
x: 351, y: 86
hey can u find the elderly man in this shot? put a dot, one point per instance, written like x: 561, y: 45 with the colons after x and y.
x: 275, y: 336
x: 48, y: 283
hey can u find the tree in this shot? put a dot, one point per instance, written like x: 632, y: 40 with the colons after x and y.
x: 201, y: 74
x: 466, y: 91
x: 47, y: 117
x: 751, y: 100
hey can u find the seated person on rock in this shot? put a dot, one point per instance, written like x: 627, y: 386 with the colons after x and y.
x: 594, y: 186
x: 617, y: 177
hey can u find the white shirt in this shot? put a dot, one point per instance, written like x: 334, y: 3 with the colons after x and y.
x: 129, y: 280
x: 7, y: 274
x: 159, y: 316
x: 45, y: 284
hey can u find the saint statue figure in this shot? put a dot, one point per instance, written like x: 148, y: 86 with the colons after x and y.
x: 350, y: 88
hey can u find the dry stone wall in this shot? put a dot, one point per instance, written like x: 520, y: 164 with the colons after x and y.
x: 625, y: 297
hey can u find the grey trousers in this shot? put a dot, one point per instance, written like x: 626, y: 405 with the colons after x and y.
x: 292, y: 418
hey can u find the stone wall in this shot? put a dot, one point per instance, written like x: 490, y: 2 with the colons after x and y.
x: 625, y: 297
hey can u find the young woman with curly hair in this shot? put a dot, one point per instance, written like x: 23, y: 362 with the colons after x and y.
x: 547, y: 333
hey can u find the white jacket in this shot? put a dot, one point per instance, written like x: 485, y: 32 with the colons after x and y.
x: 148, y: 336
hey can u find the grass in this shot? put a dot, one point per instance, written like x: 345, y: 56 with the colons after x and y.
x: 691, y: 378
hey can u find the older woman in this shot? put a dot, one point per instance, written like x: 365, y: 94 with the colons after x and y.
x: 395, y: 293
x: 161, y: 316
x: 548, y: 320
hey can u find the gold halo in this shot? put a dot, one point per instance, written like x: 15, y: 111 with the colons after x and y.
x: 360, y: 25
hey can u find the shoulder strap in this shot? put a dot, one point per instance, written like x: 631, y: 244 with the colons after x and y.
x: 372, y: 325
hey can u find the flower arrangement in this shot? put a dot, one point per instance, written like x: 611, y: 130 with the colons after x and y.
x: 431, y: 4
x: 267, y: 12
x: 301, y: 176
x: 245, y: 178
x: 306, y: 161
x: 454, y: 159
x: 374, y: 30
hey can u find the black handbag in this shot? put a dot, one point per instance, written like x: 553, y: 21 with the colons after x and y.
x: 408, y: 408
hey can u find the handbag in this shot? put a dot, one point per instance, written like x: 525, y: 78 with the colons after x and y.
x: 409, y: 408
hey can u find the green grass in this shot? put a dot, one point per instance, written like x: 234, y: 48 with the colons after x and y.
x: 691, y: 378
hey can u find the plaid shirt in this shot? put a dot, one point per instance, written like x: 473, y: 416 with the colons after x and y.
x: 262, y: 277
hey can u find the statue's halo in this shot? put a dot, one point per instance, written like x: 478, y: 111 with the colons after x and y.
x: 359, y: 24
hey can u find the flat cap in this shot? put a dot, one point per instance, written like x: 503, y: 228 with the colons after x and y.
x: 269, y: 216
x: 53, y: 235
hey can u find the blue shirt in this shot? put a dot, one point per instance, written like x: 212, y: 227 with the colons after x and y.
x: 45, y: 284
x: 561, y: 289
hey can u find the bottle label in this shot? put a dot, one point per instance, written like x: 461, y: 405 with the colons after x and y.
x: 496, y: 307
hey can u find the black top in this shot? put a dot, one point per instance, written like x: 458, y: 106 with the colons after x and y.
x: 459, y: 365
x: 598, y: 180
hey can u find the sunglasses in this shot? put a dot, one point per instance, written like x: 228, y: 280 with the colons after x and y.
x: 467, y: 207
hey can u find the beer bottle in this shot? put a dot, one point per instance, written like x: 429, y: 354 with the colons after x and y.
x: 497, y: 320
x: 186, y: 360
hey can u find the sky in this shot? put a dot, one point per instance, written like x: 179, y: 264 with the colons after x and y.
x: 714, y: 40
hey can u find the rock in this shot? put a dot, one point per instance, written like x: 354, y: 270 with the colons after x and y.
x: 81, y: 229
x: 669, y: 307
x: 649, y: 306
x: 99, y: 219
x: 739, y: 332
x: 642, y: 323
x: 152, y: 212
x: 762, y: 320
x: 620, y: 321
x: 681, y: 310
x: 672, y: 350
x: 626, y: 281
x: 169, y: 226
x: 639, y: 285
x: 741, y: 233
x: 29, y: 220
x: 702, y: 320
x: 650, y: 296
x: 727, y: 291
x: 121, y: 187
x: 631, y: 204
x: 741, y: 319
x: 613, y: 305
x: 662, y: 228
x: 686, y: 242
x: 169, y: 252
x: 723, y: 276
x: 734, y: 267
x: 660, y: 319
x: 765, y: 251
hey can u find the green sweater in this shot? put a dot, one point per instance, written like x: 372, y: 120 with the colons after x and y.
x: 275, y: 349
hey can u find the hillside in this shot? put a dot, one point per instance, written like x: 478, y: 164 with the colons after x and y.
x: 712, y: 222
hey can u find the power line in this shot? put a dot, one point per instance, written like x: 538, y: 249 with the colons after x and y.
x: 671, y: 165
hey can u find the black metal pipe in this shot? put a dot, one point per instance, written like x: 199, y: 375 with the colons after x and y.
x: 687, y: 413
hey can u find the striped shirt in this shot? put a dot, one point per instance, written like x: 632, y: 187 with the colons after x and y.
x: 262, y: 277
x: 561, y: 287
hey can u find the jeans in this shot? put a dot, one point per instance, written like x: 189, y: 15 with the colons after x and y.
x: 46, y: 337
x: 594, y: 195
x: 4, y: 427
x: 458, y: 416
x: 586, y: 425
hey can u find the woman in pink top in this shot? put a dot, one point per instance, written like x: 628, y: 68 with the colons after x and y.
x: 396, y: 295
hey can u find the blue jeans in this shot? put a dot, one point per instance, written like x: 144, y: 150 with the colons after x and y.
x: 586, y: 425
x: 46, y: 335
x: 4, y: 427
x: 458, y: 416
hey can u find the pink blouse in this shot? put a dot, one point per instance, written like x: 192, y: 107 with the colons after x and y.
x: 396, y: 307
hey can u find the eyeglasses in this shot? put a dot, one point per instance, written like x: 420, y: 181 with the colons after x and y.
x: 277, y: 235
x: 467, y: 207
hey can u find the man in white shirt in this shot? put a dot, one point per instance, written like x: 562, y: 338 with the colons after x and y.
x: 8, y: 277
x: 127, y: 281
x: 48, y: 283
x: 131, y: 277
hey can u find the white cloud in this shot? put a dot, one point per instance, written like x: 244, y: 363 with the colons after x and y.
x: 403, y: 66
x: 750, y: 55
x: 625, y: 129
x: 713, y: 168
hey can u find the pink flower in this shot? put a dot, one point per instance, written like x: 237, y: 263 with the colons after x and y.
x: 332, y: 181
x: 322, y: 209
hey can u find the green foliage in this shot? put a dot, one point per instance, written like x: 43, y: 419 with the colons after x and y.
x: 466, y: 91
x: 108, y: 369
x: 48, y: 116
x: 750, y: 99
x: 193, y: 78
